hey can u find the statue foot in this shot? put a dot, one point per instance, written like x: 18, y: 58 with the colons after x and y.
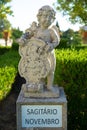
x: 32, y: 88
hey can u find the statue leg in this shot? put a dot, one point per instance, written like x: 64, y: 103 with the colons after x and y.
x: 50, y: 76
x: 50, y: 79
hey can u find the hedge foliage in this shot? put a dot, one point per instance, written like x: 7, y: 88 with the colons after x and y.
x: 8, y: 70
x: 71, y: 73
x: 4, y: 50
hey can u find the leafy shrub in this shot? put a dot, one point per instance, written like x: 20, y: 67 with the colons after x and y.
x: 8, y: 69
x: 15, y: 46
x: 70, y: 39
x: 7, y: 75
x: 63, y: 43
x: 16, y: 33
x: 71, y: 73
x: 4, y: 50
x: 1, y: 34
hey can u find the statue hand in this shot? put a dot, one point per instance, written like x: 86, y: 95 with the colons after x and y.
x: 49, y: 47
x: 20, y: 41
x: 40, y: 50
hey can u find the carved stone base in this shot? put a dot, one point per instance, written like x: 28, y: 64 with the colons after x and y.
x: 28, y: 102
x: 42, y: 93
x: 32, y: 88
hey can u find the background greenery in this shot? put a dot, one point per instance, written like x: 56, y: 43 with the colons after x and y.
x: 76, y: 10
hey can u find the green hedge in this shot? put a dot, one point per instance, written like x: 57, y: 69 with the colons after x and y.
x: 71, y: 73
x: 15, y: 46
x: 4, y: 50
x: 8, y: 69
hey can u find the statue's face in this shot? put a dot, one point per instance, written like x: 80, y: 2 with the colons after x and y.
x: 45, y: 19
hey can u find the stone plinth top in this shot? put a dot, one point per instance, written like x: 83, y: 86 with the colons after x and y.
x: 39, y: 100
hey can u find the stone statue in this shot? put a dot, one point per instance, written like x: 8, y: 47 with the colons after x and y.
x: 36, y: 48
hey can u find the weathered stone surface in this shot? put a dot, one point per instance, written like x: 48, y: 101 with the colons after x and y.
x: 54, y: 92
x: 37, y: 52
x: 34, y: 66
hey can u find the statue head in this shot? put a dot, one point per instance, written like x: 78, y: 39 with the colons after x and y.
x: 45, y: 15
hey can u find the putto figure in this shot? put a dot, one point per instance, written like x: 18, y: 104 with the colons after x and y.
x: 36, y: 48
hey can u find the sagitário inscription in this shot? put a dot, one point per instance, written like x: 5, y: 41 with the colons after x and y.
x: 41, y: 116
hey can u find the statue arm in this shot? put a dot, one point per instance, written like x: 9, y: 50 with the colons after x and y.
x: 55, y: 36
x: 55, y: 39
x: 29, y: 33
x: 22, y: 40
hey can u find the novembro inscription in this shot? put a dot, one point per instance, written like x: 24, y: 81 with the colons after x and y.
x: 41, y: 115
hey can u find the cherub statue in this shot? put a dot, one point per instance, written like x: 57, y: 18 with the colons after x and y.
x: 49, y: 35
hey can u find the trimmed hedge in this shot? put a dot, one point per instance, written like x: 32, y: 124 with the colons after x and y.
x: 8, y: 69
x: 4, y: 50
x: 71, y: 73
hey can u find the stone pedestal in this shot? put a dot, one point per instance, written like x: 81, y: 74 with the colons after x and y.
x: 42, y: 113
